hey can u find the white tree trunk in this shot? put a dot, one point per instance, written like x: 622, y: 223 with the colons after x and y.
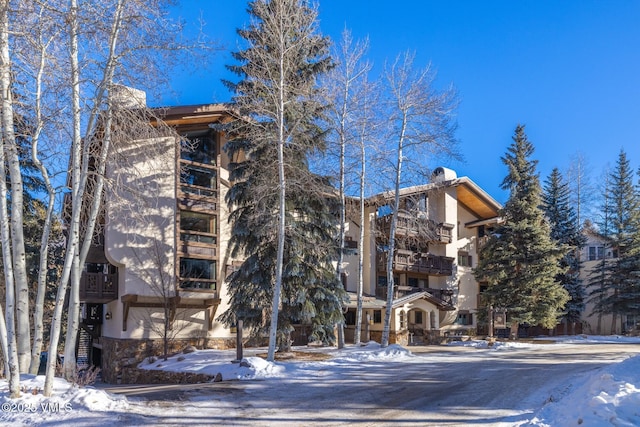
x: 91, y: 202
x: 43, y: 266
x: 76, y: 204
x: 17, y: 232
x: 11, y: 353
x: 23, y: 332
x: 342, y: 141
x: 392, y: 238
x: 363, y: 162
x: 275, y: 303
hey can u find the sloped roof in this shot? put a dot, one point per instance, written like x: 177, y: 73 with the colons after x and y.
x: 469, y: 194
x: 373, y: 303
x: 422, y: 295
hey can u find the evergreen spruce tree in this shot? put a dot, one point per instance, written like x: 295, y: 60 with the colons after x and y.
x: 565, y: 232
x: 283, y: 217
x: 599, y: 283
x: 624, y: 271
x: 520, y: 261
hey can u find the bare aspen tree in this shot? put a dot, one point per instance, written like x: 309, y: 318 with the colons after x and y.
x: 344, y: 87
x: 582, y: 188
x: 40, y: 44
x: 19, y: 288
x: 68, y: 57
x: 420, y: 126
x: 366, y: 128
x: 7, y: 156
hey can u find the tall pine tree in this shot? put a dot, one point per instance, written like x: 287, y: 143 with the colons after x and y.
x: 623, y: 290
x: 565, y: 232
x: 283, y: 217
x: 520, y: 262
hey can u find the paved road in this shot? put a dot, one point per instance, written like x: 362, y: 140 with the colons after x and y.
x: 448, y: 387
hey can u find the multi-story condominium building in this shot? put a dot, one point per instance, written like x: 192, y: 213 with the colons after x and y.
x: 441, y: 225
x: 162, y: 245
x: 161, y: 254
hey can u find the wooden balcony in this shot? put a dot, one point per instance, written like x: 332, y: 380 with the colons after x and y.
x: 418, y: 262
x: 410, y: 225
x: 192, y: 196
x: 98, y: 288
x: 444, y: 295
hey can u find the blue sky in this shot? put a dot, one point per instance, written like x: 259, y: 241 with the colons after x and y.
x: 569, y: 70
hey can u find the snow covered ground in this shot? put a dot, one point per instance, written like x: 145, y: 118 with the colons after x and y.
x: 607, y: 396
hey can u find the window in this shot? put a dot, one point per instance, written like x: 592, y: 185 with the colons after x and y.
x: 382, y: 280
x: 198, y: 180
x: 464, y: 318
x: 377, y: 316
x: 201, y: 147
x: 197, y: 273
x: 596, y: 252
x: 403, y: 319
x: 99, y: 268
x: 418, y: 317
x: 412, y: 281
x: 197, y: 227
x: 196, y: 221
x: 350, y: 317
x: 349, y: 243
x: 464, y: 259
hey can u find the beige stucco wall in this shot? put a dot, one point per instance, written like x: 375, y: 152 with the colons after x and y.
x: 224, y: 234
x: 467, y: 241
x: 140, y: 239
x: 140, y: 226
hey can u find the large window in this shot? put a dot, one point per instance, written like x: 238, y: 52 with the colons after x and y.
x: 197, y: 227
x: 99, y: 268
x: 197, y: 273
x: 198, y: 180
x: 464, y: 259
x: 350, y: 317
x: 464, y: 318
x: 596, y: 252
x: 201, y: 147
x: 418, y: 317
x: 377, y: 316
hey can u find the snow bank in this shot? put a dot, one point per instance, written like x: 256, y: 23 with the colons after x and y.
x: 66, y: 403
x: 373, y: 351
x: 609, y: 397
x: 214, y: 362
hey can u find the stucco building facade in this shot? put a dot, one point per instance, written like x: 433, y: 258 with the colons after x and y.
x: 162, y: 252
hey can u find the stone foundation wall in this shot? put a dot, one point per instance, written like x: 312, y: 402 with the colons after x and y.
x: 120, y: 359
x: 402, y: 338
x: 434, y: 337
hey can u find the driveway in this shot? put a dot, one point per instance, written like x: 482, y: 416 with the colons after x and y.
x: 441, y: 386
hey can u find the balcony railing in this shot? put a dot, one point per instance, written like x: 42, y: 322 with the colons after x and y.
x: 198, y: 284
x: 412, y: 225
x: 98, y: 287
x: 418, y: 262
